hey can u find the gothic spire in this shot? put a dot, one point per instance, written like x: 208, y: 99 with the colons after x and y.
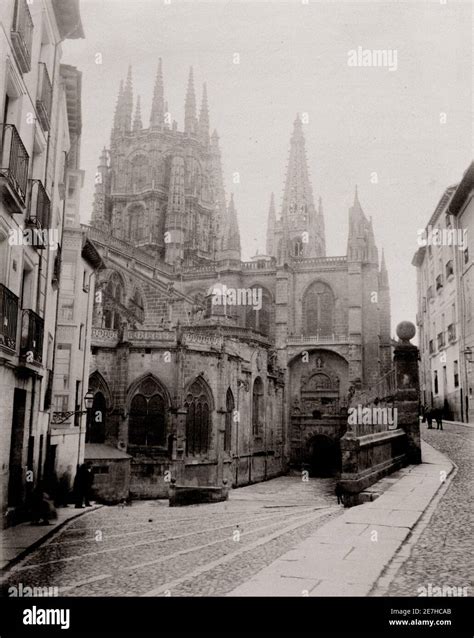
x: 127, y: 102
x: 157, y: 105
x: 204, y: 116
x: 298, y: 201
x: 118, y: 106
x: 137, y: 120
x: 271, y: 220
x: 321, y: 228
x: 116, y: 127
x: 383, y: 275
x: 190, y: 105
x: 217, y: 185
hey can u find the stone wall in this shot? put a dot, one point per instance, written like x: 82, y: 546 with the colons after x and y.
x: 368, y: 457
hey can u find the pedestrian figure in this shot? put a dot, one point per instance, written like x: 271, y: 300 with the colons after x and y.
x: 429, y: 418
x: 438, y: 415
x: 339, y: 494
x: 82, y: 485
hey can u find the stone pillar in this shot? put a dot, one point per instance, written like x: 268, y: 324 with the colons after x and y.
x: 408, y: 389
x: 180, y: 429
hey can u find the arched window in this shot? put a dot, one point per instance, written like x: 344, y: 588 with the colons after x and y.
x: 113, y: 298
x: 298, y: 247
x: 318, y: 310
x: 229, y: 415
x: 139, y: 173
x: 95, y: 431
x: 198, y: 419
x: 258, y: 408
x: 258, y: 316
x: 147, y: 418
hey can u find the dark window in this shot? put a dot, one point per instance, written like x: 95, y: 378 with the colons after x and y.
x: 100, y: 469
x: 436, y: 382
x: 298, y: 248
x: 258, y: 414
x: 229, y: 415
x: 198, y: 419
x: 147, y: 423
x: 318, y: 309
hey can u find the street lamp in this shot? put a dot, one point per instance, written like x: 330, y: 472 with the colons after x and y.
x: 89, y: 399
x: 62, y: 417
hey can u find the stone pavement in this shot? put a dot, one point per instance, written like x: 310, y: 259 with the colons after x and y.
x: 440, y: 553
x: 466, y: 425
x: 19, y: 540
x: 346, y: 556
x: 151, y: 549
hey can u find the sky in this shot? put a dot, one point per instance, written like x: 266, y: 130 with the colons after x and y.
x: 402, y: 135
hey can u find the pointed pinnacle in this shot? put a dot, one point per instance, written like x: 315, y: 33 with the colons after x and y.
x: 356, y: 196
x: 157, y: 111
x: 137, y: 121
x: 190, y: 105
x: 204, y: 114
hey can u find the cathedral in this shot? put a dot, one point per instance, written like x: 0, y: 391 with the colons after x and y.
x: 210, y: 372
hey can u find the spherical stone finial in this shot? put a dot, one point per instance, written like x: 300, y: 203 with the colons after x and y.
x: 406, y: 331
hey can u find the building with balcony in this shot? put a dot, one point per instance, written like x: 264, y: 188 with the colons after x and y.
x: 461, y: 208
x: 209, y: 388
x: 34, y: 138
x: 444, y: 290
x: 79, y: 262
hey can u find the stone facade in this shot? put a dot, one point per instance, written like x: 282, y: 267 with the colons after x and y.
x: 213, y: 371
x: 445, y: 303
x: 34, y: 141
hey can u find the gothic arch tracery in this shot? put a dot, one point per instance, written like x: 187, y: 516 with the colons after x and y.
x: 318, y: 310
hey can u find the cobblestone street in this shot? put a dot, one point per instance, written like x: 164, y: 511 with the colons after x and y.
x: 442, y: 555
x: 150, y: 549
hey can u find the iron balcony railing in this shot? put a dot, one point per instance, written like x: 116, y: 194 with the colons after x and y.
x: 44, y: 97
x: 32, y: 332
x: 8, y: 317
x: 22, y: 35
x: 39, y: 205
x: 14, y: 161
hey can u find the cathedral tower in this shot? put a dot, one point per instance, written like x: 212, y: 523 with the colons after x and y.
x: 299, y: 232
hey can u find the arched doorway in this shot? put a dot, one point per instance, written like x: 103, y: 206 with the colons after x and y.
x: 324, y: 456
